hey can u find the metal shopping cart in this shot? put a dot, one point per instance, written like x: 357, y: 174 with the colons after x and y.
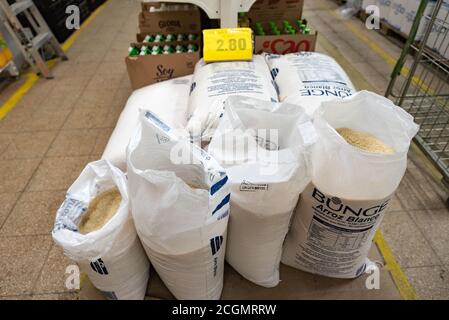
x: 420, y: 81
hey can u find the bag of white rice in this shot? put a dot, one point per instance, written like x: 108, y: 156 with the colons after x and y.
x: 167, y: 99
x: 213, y: 83
x: 357, y: 164
x: 309, y: 78
x: 264, y: 148
x: 95, y: 228
x: 180, y: 200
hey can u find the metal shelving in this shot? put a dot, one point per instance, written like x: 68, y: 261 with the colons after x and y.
x: 423, y: 89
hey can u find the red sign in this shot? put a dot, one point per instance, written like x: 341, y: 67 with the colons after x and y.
x: 285, y: 44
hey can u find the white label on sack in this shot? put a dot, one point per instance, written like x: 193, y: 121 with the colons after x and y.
x: 157, y: 122
x: 253, y: 187
x: 69, y: 211
x: 234, y: 81
x: 339, y: 232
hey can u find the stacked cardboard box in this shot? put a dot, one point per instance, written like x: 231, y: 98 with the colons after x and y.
x: 278, y: 11
x: 149, y: 69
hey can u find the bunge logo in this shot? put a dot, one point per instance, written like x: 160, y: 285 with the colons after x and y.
x: 215, y: 244
x: 99, y: 267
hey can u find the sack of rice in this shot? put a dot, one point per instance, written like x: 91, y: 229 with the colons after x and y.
x: 167, y: 99
x: 213, y: 83
x: 95, y: 228
x: 357, y: 164
x: 180, y: 201
x: 309, y: 78
x: 264, y: 148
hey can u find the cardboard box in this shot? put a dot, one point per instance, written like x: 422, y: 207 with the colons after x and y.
x: 264, y: 11
x: 168, y: 21
x: 146, y: 70
x: 275, y: 10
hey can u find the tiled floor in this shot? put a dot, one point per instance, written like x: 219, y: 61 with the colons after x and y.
x: 58, y: 127
x: 63, y: 124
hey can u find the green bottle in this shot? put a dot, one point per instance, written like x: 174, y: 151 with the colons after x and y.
x: 170, y: 38
x: 180, y: 49
x: 134, y: 52
x: 168, y: 49
x: 149, y: 38
x: 159, y: 38
x: 181, y: 37
x: 192, y: 48
x: 144, y: 51
x: 155, y: 50
x: 307, y: 30
x: 192, y: 37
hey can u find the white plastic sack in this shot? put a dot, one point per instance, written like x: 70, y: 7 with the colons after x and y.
x: 264, y: 148
x: 213, y: 83
x: 340, y: 211
x: 167, y: 99
x: 112, y: 256
x: 181, y: 209
x: 309, y: 78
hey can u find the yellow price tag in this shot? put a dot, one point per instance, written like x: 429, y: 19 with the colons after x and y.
x: 228, y: 44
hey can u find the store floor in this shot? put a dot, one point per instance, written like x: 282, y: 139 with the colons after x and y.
x: 61, y: 125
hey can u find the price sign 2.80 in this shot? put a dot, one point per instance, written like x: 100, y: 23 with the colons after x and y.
x: 228, y: 44
x: 233, y: 44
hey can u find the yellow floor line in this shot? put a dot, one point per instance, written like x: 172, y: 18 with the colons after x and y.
x: 32, y: 78
x: 400, y: 279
